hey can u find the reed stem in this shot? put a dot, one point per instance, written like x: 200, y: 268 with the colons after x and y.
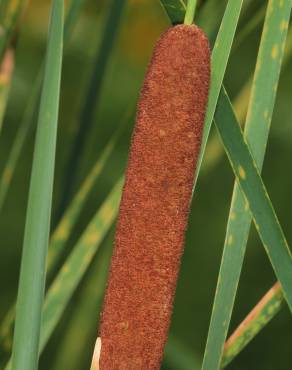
x: 190, y: 12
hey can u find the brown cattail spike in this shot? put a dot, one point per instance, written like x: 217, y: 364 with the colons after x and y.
x: 155, y: 202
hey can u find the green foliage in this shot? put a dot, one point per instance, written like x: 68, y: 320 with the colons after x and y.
x: 32, y: 274
x: 260, y: 316
x: 245, y: 152
x: 29, y: 113
x: 60, y: 236
x: 91, y: 99
x: 10, y: 12
x: 256, y: 198
x: 256, y: 132
x: 220, y: 56
x: 175, y: 10
x: 260, y: 110
x: 6, y: 70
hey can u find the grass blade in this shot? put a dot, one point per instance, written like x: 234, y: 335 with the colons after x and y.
x: 72, y: 14
x: 175, y: 10
x: 10, y: 13
x: 220, y: 56
x: 76, y: 264
x: 256, y: 320
x: 32, y: 275
x: 256, y: 131
x: 251, y: 24
x: 6, y: 70
x: 18, y: 143
x: 65, y: 227
x: 70, y: 353
x: 62, y: 232
x: 31, y: 108
x: 240, y: 104
x: 93, y: 94
x: 257, y: 199
x: 190, y: 11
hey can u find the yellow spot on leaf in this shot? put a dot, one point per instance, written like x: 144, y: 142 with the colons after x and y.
x: 284, y: 25
x: 230, y: 240
x: 7, y: 175
x: 232, y: 215
x: 275, y: 51
x: 246, y: 206
x: 106, y: 213
x: 92, y: 238
x: 241, y: 172
x: 66, y: 268
x: 62, y: 231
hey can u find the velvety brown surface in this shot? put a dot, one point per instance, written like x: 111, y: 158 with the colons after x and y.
x: 155, y: 203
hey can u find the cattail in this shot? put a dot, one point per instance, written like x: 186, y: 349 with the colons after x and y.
x: 155, y: 202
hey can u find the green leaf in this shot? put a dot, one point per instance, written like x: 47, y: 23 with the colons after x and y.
x: 175, y: 10
x: 220, y: 56
x: 190, y: 11
x: 256, y: 132
x: 257, y: 201
x: 70, y: 353
x: 32, y: 274
x: 63, y: 231
x: 6, y: 70
x: 256, y: 320
x: 72, y: 14
x: 251, y: 24
x: 91, y: 99
x: 68, y: 221
x: 76, y: 264
x: 31, y: 108
x: 10, y: 12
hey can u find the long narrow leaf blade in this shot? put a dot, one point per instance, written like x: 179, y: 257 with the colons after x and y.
x: 63, y: 231
x: 86, y: 310
x: 10, y: 13
x: 68, y: 221
x: 256, y: 131
x: 256, y: 320
x: 29, y: 113
x: 257, y: 201
x: 6, y: 70
x: 32, y: 275
x: 76, y: 265
x: 175, y: 10
x: 220, y: 56
x: 94, y: 91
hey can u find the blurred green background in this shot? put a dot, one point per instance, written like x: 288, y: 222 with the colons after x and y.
x: 142, y: 22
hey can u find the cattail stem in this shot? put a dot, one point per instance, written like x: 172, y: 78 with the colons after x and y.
x: 190, y: 12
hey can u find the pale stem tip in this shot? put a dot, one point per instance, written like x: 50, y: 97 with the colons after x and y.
x: 96, y: 355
